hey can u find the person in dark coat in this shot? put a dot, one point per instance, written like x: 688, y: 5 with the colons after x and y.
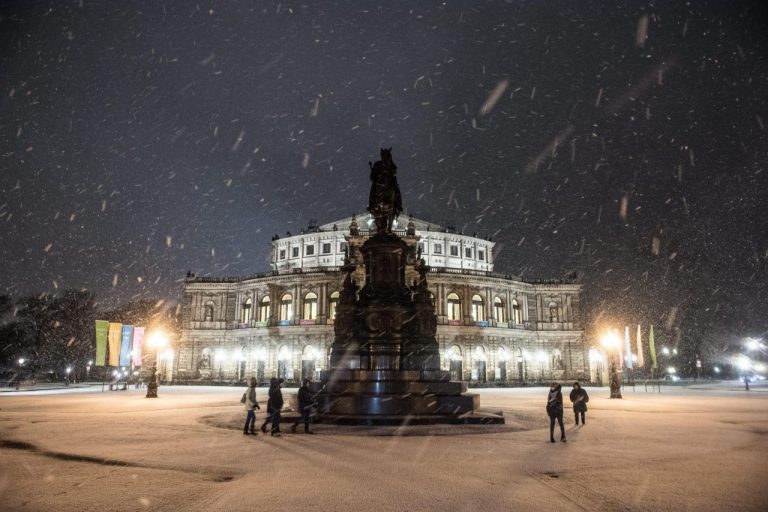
x: 555, y: 411
x: 250, y: 406
x: 579, y: 397
x: 274, y: 405
x: 306, y: 401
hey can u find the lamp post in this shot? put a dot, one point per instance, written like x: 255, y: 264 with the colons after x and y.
x: 611, y: 341
x: 596, y: 358
x: 542, y: 357
x: 21, y: 362
x: 67, y: 372
x: 744, y: 363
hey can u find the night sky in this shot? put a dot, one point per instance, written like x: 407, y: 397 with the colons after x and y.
x: 626, y: 141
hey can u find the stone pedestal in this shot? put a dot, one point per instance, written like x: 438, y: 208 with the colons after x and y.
x: 385, y: 363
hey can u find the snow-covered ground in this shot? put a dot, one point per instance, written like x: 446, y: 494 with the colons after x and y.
x: 689, y: 448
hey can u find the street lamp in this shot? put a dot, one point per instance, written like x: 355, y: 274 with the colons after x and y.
x: 220, y: 357
x: 611, y: 342
x: 21, y: 362
x: 542, y: 357
x: 596, y: 359
x: 88, y: 370
x: 744, y: 363
x: 67, y: 371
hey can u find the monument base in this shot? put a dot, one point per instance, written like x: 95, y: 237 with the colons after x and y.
x: 398, y: 397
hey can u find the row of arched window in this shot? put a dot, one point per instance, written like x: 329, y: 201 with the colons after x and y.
x: 453, y: 310
x: 285, y: 308
x: 310, y: 309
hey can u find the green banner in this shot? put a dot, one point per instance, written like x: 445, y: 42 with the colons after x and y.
x: 652, y: 348
x: 102, y: 332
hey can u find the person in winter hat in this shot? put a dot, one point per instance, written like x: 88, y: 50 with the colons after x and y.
x: 274, y: 405
x: 250, y: 406
x: 306, y: 401
x: 555, y: 411
x: 579, y: 397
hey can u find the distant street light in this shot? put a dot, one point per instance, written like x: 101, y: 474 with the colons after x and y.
x: 67, y: 371
x: 88, y: 371
x: 611, y: 342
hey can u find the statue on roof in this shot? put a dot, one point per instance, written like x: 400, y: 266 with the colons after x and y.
x: 384, y: 201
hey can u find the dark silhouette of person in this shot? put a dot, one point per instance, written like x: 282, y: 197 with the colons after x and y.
x: 579, y: 397
x: 306, y: 401
x: 555, y: 411
x: 274, y: 406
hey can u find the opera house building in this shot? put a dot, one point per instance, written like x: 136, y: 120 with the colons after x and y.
x: 492, y: 328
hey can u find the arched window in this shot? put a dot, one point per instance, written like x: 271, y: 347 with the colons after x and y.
x: 455, y: 353
x: 309, y: 353
x: 517, y: 313
x: 503, y: 354
x: 286, y: 307
x: 332, y: 305
x: 310, y: 306
x: 553, y: 317
x: 208, y: 311
x: 498, y: 310
x: 454, y: 307
x: 283, y: 360
x: 479, y: 353
x: 478, y: 309
x: 264, y: 310
x: 246, y: 311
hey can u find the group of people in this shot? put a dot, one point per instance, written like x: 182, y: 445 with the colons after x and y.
x: 579, y: 399
x: 274, y: 406
x: 578, y: 396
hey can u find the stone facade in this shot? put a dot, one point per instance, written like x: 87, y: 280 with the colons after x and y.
x: 491, y: 328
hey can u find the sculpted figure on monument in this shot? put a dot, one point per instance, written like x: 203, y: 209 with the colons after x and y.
x: 384, y: 201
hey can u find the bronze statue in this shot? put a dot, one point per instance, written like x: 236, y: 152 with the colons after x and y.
x: 384, y: 201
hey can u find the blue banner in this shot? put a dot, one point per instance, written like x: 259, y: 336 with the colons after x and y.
x: 125, y: 345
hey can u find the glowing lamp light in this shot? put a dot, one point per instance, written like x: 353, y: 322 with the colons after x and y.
x: 68, y: 370
x: 157, y: 339
x: 716, y: 369
x: 743, y: 362
x: 671, y: 370
x: 22, y: 360
x: 610, y: 340
x: 665, y: 351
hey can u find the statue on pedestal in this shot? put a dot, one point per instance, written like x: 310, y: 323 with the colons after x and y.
x: 384, y: 201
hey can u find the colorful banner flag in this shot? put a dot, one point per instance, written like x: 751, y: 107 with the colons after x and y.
x: 125, y: 345
x: 138, y: 341
x: 652, y: 349
x: 627, y: 347
x: 102, y: 332
x: 115, y: 333
x: 640, y: 358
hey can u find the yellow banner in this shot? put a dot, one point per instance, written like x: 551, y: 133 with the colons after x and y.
x: 115, y: 332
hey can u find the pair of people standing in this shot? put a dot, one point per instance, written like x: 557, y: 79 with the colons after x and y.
x: 579, y: 398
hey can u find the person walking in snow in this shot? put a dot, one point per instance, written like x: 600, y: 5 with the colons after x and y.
x: 306, y: 402
x: 250, y: 406
x: 555, y: 411
x: 579, y: 397
x: 274, y: 405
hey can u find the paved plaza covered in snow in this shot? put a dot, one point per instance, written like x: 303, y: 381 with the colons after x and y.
x: 698, y: 447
